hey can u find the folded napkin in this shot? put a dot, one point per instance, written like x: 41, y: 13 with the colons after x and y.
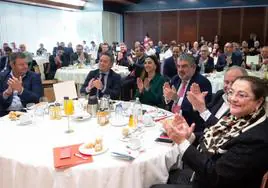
x: 66, y: 156
x: 126, y: 154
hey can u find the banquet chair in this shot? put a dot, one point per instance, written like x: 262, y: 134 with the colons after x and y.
x: 48, y: 89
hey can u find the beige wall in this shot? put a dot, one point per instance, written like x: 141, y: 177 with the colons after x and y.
x: 111, y: 27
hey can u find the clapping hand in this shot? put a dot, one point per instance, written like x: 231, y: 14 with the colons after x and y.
x: 97, y: 84
x: 15, y: 83
x: 146, y: 83
x: 90, y: 84
x: 197, y: 98
x: 170, y: 93
x: 140, y: 85
x: 178, y: 130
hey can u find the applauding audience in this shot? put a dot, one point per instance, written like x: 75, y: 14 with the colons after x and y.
x: 219, y: 106
x: 103, y: 81
x: 233, y: 153
x: 18, y: 86
x: 175, y: 91
x: 150, y: 87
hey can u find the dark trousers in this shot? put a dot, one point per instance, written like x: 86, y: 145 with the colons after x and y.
x: 128, y: 86
x: 177, y: 179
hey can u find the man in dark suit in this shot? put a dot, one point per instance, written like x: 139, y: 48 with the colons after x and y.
x: 175, y: 91
x: 170, y: 69
x: 229, y: 58
x: 18, y: 86
x: 103, y: 81
x: 213, y: 111
x: 136, y: 69
x: 80, y: 56
x: 4, y: 61
x: 205, y: 63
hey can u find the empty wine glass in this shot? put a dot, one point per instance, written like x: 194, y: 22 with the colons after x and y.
x: 82, y: 101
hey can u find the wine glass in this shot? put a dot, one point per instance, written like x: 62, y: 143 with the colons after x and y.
x: 68, y: 110
x: 43, y: 101
x: 82, y: 101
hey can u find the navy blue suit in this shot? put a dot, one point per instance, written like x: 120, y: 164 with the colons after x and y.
x: 188, y: 112
x: 209, y: 66
x: 3, y: 61
x: 32, y: 85
x: 221, y: 63
x: 170, y: 69
x: 112, y: 86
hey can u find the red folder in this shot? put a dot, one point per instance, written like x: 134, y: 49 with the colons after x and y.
x: 65, y: 157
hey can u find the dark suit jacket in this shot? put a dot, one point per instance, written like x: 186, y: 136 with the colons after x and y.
x: 221, y: 63
x: 188, y: 113
x: 213, y: 107
x: 3, y: 63
x: 112, y: 87
x: 170, y: 69
x: 242, y: 166
x: 74, y: 57
x: 137, y: 66
x: 209, y: 66
x: 32, y: 85
x: 124, y: 60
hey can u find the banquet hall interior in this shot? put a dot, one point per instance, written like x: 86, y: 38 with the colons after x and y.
x: 88, y: 88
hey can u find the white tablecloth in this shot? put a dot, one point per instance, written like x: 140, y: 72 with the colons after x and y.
x: 26, y: 157
x: 41, y: 60
x: 79, y: 75
x: 217, y: 79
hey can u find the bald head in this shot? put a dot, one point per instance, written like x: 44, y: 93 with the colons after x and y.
x: 264, y: 52
x: 231, y: 75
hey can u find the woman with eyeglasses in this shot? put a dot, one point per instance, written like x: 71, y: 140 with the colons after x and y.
x: 234, y: 152
x: 149, y: 85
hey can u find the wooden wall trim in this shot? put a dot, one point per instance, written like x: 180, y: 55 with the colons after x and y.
x: 197, y: 24
x: 219, y: 21
x: 242, y: 12
x: 265, y: 28
x: 178, y: 26
x: 159, y: 26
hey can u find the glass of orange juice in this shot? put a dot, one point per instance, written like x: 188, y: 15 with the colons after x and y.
x: 68, y: 110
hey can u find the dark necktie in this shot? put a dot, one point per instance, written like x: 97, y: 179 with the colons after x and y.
x: 102, y: 79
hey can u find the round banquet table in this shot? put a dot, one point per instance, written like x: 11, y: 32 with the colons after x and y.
x: 217, y: 79
x: 79, y: 74
x: 26, y: 156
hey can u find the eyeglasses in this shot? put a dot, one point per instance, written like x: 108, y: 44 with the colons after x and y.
x: 240, y: 94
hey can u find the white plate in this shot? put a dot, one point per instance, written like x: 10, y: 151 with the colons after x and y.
x: 86, y: 151
x: 81, y: 117
x: 119, y: 122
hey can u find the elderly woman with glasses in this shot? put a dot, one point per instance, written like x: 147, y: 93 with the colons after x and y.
x: 234, y: 152
x: 149, y: 85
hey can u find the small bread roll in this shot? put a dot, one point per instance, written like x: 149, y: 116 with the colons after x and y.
x: 90, y: 145
x: 125, y: 131
x: 98, y: 147
x: 98, y: 140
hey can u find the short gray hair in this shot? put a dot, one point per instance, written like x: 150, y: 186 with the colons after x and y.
x: 187, y: 57
x: 241, y: 69
x: 16, y: 55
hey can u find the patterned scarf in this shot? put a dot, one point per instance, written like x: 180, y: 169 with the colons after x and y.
x: 230, y: 127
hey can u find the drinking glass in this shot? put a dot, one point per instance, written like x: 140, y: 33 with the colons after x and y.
x: 68, y: 110
x: 43, y: 101
x: 82, y: 101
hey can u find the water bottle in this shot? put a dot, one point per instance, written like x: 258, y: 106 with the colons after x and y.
x: 253, y: 67
x: 137, y: 112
